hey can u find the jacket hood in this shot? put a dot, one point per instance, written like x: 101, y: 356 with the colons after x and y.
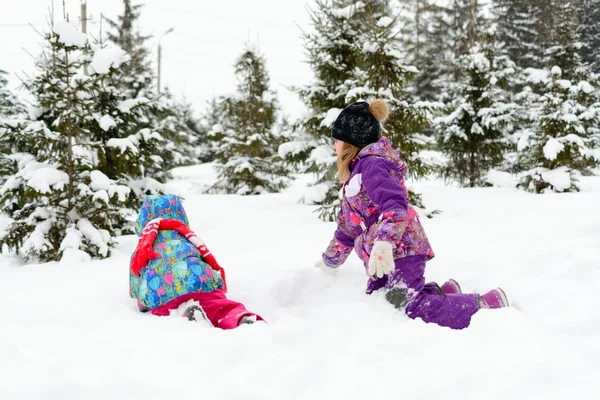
x: 165, y: 206
x: 383, y: 149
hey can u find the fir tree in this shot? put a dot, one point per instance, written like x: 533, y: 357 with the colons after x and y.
x: 176, y: 127
x: 420, y: 33
x: 473, y: 135
x: 11, y: 114
x: 127, y: 150
x: 563, y: 50
x: 523, y: 26
x: 384, y: 75
x: 212, y: 127
x: 194, y: 133
x: 9, y: 106
x: 589, y: 32
x: 335, y: 55
x: 58, y: 200
x: 562, y: 144
x: 137, y: 79
x: 247, y: 162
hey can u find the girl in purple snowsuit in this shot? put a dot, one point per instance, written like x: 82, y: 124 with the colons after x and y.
x: 376, y: 220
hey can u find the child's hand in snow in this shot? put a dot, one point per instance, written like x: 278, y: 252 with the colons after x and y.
x: 325, y: 268
x: 381, y: 261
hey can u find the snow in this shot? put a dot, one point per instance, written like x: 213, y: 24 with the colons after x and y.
x: 316, y: 193
x: 107, y: 122
x: 585, y: 87
x: 535, y: 75
x: 560, y: 178
x: 99, y: 181
x: 370, y: 47
x: 292, y: 148
x: 108, y: 57
x: 69, y: 34
x: 5, y: 222
x: 563, y: 83
x: 41, y: 177
x: 384, y: 22
x: 126, y: 105
x: 122, y: 144
x: 330, y: 117
x: 501, y: 179
x: 37, y: 240
x: 552, y: 148
x: 322, y: 329
x: 72, y: 239
x: 101, y: 195
x: 121, y: 191
x: 556, y: 71
x: 325, y: 339
x: 72, y: 256
x: 348, y: 11
x: 92, y: 234
x: 323, y: 155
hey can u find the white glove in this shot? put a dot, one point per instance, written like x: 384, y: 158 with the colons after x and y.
x: 381, y: 261
x: 323, y: 267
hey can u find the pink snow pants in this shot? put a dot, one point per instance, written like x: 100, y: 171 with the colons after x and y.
x: 221, y: 312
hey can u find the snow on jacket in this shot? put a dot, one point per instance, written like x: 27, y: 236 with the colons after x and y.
x: 179, y: 268
x: 375, y: 207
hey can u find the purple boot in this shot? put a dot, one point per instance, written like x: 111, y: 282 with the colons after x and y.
x: 451, y: 287
x: 495, y: 298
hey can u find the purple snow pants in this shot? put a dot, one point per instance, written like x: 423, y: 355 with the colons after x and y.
x: 426, y: 300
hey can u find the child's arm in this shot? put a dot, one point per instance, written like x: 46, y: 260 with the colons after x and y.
x: 342, y: 243
x: 384, y: 184
x: 133, y: 283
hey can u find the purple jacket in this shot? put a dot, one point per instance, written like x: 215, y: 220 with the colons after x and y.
x: 375, y: 207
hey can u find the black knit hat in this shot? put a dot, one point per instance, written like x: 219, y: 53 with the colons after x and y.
x: 359, y: 123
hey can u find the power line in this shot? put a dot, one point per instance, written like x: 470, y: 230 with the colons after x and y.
x: 222, y: 17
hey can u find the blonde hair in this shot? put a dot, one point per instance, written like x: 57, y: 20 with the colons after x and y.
x: 348, y: 153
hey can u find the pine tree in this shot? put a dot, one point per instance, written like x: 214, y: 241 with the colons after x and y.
x: 589, y: 31
x: 523, y: 26
x: 335, y: 55
x: 137, y: 77
x: 138, y: 80
x: 193, y: 133
x: 174, y: 126
x: 562, y: 145
x: 58, y: 200
x: 385, y: 75
x: 11, y: 114
x: 419, y: 22
x: 212, y: 128
x: 9, y: 106
x: 561, y: 141
x: 473, y: 134
x: 564, y: 49
x: 127, y: 149
x: 247, y: 159
x: 455, y: 30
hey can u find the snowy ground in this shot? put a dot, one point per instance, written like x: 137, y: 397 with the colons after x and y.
x: 72, y: 332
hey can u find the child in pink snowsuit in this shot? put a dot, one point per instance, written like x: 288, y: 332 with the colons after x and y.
x: 376, y: 220
x: 172, y: 270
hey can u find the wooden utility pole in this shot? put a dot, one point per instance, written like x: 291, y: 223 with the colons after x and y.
x: 84, y: 27
x: 158, y: 75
